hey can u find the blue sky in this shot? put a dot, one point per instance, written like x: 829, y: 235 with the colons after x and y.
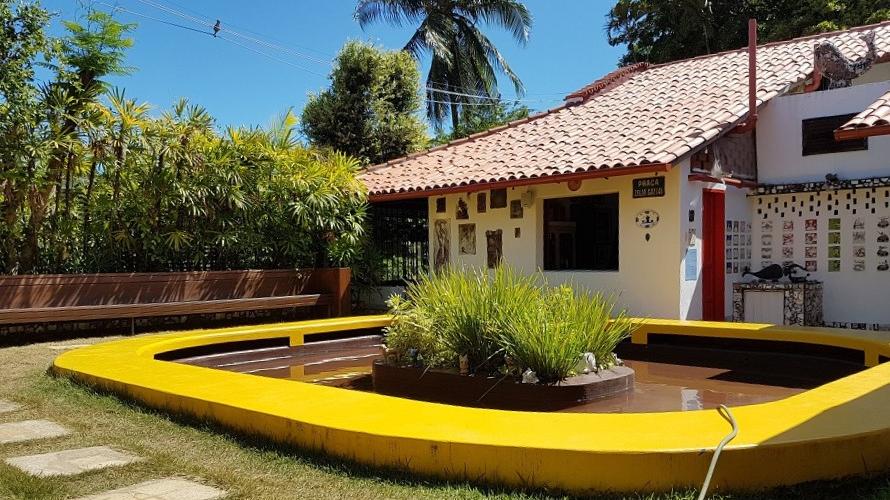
x: 567, y: 50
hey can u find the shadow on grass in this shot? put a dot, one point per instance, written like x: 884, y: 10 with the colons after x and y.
x: 873, y: 487
x: 15, y: 484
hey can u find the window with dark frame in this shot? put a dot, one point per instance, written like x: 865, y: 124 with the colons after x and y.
x: 818, y: 136
x: 581, y: 233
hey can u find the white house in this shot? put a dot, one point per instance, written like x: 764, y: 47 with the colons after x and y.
x: 663, y: 183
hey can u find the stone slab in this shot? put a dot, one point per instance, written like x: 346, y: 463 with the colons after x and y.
x: 71, y: 462
x: 28, y: 430
x: 162, y: 489
x: 65, y: 347
x: 7, y: 406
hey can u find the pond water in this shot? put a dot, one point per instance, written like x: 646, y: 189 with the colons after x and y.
x: 667, y: 377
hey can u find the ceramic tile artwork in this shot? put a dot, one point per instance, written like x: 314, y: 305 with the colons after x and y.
x: 811, y: 252
x: 766, y: 253
x: 811, y: 225
x: 882, y: 237
x: 441, y: 244
x: 882, y: 251
x: 766, y: 240
x: 516, y: 209
x: 884, y: 222
x: 858, y: 237
x: 787, y: 226
x: 787, y: 252
x: 858, y: 223
x: 811, y: 266
x: 811, y: 238
x: 481, y: 202
x: 766, y: 226
x: 859, y: 252
x: 834, y: 266
x: 883, y: 265
x: 834, y: 224
x: 788, y: 239
x: 466, y: 239
x: 462, y: 211
x: 859, y: 265
x: 834, y: 238
x: 834, y: 252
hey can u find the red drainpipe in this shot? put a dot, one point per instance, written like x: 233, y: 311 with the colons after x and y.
x: 752, y: 79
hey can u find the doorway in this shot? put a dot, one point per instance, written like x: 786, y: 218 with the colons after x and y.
x: 713, y: 272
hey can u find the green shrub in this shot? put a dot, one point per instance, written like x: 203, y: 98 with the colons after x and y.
x: 549, y: 338
x: 463, y: 311
x: 489, y: 316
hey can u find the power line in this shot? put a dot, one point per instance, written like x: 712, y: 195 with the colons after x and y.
x: 208, y: 22
x: 244, y: 28
x: 119, y: 8
x: 482, y: 97
x: 209, y: 33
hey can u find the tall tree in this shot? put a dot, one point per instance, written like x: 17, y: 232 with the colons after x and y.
x: 464, y: 62
x: 659, y: 31
x: 371, y: 109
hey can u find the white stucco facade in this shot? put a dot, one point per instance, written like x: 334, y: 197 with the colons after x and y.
x: 655, y: 276
x: 646, y: 281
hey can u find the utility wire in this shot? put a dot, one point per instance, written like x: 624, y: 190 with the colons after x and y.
x: 481, y: 97
x: 208, y: 22
x: 248, y: 30
x: 119, y: 8
x: 210, y: 33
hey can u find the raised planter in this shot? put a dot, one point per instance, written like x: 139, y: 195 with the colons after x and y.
x: 442, y: 386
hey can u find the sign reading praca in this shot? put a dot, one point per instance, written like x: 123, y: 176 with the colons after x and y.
x: 649, y: 187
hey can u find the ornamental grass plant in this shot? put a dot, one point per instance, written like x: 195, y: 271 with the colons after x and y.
x: 503, y: 322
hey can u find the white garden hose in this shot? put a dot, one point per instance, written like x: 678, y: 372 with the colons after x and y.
x: 725, y: 413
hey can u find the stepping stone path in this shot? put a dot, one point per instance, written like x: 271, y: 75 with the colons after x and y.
x: 7, y: 406
x: 77, y: 461
x: 71, y: 462
x: 162, y: 489
x: 28, y: 430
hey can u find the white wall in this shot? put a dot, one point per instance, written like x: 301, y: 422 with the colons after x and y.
x: 779, y: 138
x: 737, y: 207
x: 878, y: 73
x: 646, y: 282
x: 851, y: 294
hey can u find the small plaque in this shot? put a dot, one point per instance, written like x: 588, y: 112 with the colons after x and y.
x: 647, y: 219
x: 649, y: 187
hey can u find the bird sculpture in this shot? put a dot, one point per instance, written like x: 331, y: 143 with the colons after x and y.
x: 775, y: 272
x: 837, y: 70
x: 772, y: 273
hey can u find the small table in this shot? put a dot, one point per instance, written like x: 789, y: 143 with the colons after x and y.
x: 760, y: 301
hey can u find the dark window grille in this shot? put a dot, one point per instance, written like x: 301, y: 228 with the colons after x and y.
x: 818, y: 136
x: 400, y: 232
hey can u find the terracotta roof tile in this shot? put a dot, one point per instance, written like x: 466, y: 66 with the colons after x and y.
x: 874, y: 120
x: 635, y: 116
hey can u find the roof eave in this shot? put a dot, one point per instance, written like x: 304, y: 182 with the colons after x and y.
x: 527, y: 181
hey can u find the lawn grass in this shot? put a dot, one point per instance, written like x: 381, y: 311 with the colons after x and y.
x: 245, y: 467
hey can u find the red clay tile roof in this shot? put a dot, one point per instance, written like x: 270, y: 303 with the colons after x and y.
x: 875, y: 120
x: 654, y: 115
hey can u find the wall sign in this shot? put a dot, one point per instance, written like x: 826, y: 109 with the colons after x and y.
x: 647, y: 219
x: 691, y: 267
x: 649, y: 187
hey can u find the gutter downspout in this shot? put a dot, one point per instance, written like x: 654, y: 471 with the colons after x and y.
x: 751, y: 121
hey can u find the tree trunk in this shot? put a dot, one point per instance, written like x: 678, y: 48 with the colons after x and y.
x: 91, y: 181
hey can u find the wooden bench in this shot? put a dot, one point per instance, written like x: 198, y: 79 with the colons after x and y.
x: 86, y: 297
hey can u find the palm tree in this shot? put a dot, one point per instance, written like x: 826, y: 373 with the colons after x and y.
x: 463, y: 59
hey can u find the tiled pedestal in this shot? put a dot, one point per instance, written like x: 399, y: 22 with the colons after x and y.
x: 802, y: 301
